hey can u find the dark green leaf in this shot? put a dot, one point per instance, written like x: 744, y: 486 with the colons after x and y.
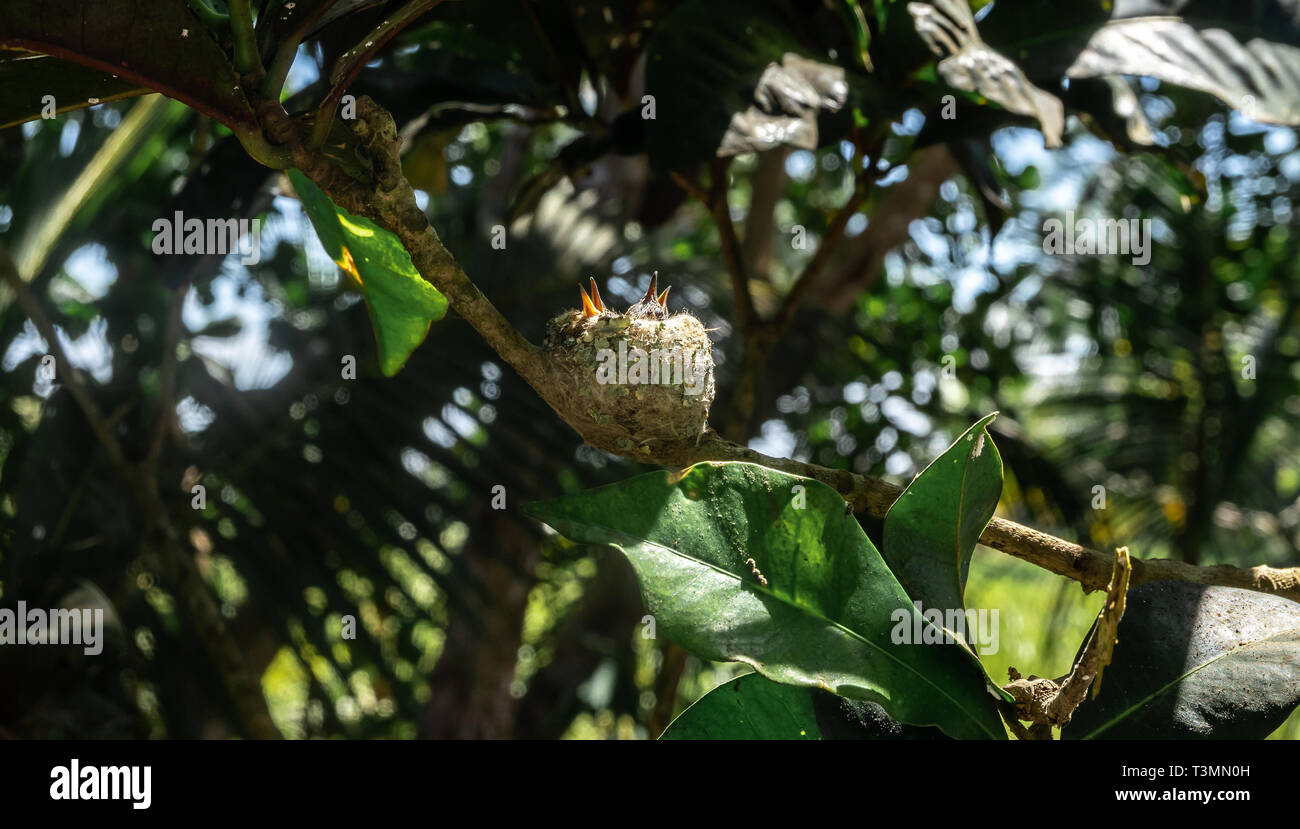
x: 25, y: 81
x: 402, y: 304
x: 970, y: 64
x: 753, y: 708
x: 817, y: 607
x: 931, y: 530
x: 165, y: 48
x: 728, y: 78
x: 1197, y: 662
x: 748, y: 708
x: 1259, y: 77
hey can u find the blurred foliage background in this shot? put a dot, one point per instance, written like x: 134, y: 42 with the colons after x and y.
x: 371, y: 497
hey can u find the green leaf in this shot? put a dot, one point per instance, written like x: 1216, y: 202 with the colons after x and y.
x: 748, y: 708
x: 1197, y: 662
x: 969, y: 64
x: 402, y: 304
x: 1257, y: 76
x: 931, y: 530
x: 823, y: 619
x: 26, y: 78
x: 730, y: 78
x: 754, y: 708
x: 166, y: 49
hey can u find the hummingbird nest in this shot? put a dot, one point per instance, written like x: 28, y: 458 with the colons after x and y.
x: 633, y: 383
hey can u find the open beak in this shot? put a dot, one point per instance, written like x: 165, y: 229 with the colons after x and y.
x: 595, y: 296
x: 588, y: 307
x: 654, y: 287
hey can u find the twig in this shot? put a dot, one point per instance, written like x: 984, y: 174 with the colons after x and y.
x: 247, y: 59
x: 162, y: 422
x: 352, y: 61
x: 732, y: 255
x: 834, y: 234
x: 72, y: 380
x: 715, y: 201
x: 1051, y: 702
x: 1100, y: 648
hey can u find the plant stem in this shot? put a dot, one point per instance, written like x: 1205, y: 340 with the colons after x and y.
x: 247, y: 59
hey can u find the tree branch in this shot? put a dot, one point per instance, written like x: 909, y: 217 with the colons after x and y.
x: 715, y: 201
x: 353, y: 60
x: 862, y: 185
x: 1091, y: 568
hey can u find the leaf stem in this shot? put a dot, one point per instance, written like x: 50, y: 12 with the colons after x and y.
x: 247, y: 59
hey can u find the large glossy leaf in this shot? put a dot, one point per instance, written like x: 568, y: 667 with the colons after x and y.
x: 1197, y: 662
x: 970, y: 64
x: 164, y: 48
x: 816, y: 607
x: 26, y: 79
x: 749, y: 708
x: 728, y: 78
x: 310, y: 16
x: 754, y: 708
x: 401, y: 303
x: 931, y: 530
x: 1259, y: 77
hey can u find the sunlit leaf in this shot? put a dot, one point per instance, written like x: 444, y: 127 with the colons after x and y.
x: 1259, y: 77
x: 736, y: 564
x: 932, y: 529
x: 1197, y: 662
x: 402, y: 304
x: 728, y: 78
x: 969, y: 64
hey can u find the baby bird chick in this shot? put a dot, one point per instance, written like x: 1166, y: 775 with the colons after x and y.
x: 651, y: 307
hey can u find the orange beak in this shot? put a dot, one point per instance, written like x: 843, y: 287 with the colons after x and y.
x: 588, y: 308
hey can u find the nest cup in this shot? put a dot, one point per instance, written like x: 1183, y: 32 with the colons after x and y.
x: 631, y: 386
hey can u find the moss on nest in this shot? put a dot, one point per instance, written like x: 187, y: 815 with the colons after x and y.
x: 631, y: 386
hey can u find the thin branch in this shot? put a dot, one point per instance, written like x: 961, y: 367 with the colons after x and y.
x: 353, y: 60
x: 1052, y: 702
x: 715, y: 201
x: 64, y: 370
x: 834, y: 235
x: 285, y: 53
x: 247, y: 59
x: 166, y: 411
x: 1100, y: 648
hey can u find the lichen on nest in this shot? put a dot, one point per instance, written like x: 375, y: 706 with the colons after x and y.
x: 634, y: 383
